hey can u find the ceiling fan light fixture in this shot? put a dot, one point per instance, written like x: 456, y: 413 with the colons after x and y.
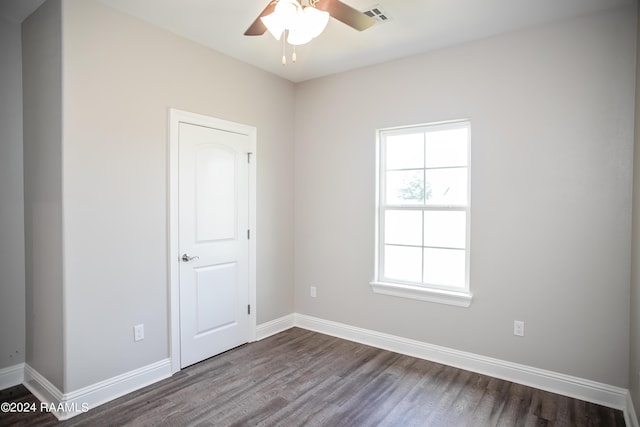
x: 303, y: 23
x: 315, y: 20
x: 298, y: 36
x: 274, y: 24
x: 284, y: 15
x: 309, y: 24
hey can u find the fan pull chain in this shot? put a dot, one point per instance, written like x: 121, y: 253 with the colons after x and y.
x: 284, y: 47
x: 294, y: 57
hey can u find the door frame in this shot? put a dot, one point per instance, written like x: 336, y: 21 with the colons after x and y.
x: 173, y: 253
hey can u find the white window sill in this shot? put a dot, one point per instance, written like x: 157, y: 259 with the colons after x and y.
x: 459, y: 299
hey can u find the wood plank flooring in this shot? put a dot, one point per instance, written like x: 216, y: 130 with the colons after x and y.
x: 303, y: 378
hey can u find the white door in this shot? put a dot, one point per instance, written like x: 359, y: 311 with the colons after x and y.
x: 213, y: 216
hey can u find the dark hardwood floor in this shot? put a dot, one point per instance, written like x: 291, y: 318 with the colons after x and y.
x: 302, y: 378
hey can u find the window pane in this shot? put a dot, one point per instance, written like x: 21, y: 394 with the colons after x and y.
x: 403, y: 263
x: 403, y: 227
x: 446, y: 186
x: 445, y: 229
x: 405, y: 151
x: 444, y: 267
x: 446, y: 147
x: 405, y: 187
x: 424, y: 194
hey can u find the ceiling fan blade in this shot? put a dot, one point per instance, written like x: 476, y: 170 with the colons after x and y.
x: 258, y: 28
x: 346, y: 14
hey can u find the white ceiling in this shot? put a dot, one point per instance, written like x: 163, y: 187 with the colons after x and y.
x: 416, y: 26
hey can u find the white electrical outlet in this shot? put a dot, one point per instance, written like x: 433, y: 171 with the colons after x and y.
x: 312, y: 290
x: 518, y: 328
x: 138, y: 332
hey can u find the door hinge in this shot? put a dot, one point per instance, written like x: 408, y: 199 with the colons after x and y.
x: 249, y: 309
x: 248, y: 234
x: 249, y: 157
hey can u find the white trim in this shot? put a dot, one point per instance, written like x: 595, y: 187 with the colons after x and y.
x: 579, y: 388
x: 84, y: 399
x: 253, y: 222
x: 630, y: 417
x: 11, y: 376
x: 175, y: 118
x: 275, y: 326
x: 173, y: 246
x: 459, y: 299
x: 43, y: 389
x: 419, y: 290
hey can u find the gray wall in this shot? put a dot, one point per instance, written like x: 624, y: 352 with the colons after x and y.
x: 12, y: 287
x: 552, y: 123
x: 551, y: 114
x: 634, y: 336
x: 121, y: 76
x: 42, y: 78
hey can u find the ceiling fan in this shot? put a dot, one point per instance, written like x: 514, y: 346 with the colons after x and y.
x: 336, y: 9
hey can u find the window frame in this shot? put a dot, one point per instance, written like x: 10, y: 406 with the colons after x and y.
x: 451, y: 295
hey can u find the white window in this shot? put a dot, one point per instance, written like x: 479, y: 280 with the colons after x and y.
x: 422, y: 237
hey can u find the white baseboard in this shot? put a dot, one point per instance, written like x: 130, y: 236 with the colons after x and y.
x: 11, y: 376
x: 67, y: 405
x: 47, y: 393
x: 275, y: 326
x: 579, y: 388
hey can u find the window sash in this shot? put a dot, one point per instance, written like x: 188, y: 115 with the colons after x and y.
x: 383, y: 244
x: 424, y: 206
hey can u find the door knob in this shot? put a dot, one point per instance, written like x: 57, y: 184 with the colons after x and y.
x: 187, y: 258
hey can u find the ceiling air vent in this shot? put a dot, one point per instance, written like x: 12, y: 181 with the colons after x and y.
x: 377, y: 13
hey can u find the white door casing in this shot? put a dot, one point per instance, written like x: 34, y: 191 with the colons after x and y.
x: 212, y: 219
